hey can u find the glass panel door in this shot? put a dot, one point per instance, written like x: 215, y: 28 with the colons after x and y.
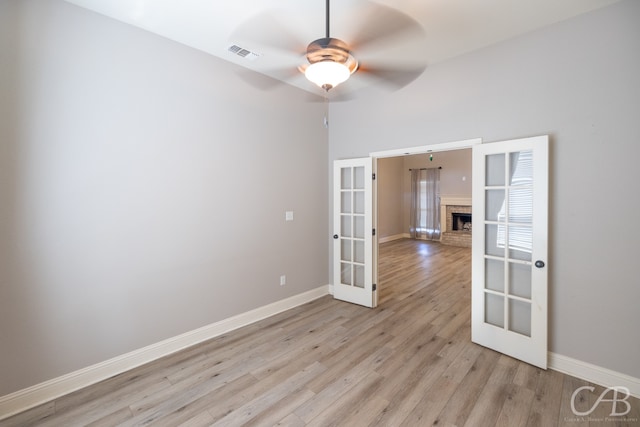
x: 353, y: 241
x: 509, y: 290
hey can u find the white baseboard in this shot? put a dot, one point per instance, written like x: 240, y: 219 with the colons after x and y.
x: 592, y: 373
x: 394, y: 237
x: 38, y: 394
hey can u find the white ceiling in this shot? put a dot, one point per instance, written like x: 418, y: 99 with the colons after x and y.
x: 448, y: 28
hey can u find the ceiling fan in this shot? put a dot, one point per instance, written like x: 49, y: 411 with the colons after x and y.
x: 330, y: 61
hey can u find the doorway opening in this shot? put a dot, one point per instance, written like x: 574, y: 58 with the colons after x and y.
x: 393, y: 189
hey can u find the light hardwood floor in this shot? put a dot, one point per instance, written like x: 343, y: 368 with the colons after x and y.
x: 408, y: 362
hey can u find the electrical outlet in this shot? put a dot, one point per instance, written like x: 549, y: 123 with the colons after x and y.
x: 288, y: 216
x: 283, y: 280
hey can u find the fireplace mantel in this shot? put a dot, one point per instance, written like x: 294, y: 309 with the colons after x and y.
x: 455, y: 200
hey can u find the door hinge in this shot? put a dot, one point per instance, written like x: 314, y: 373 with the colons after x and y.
x: 374, y: 232
x: 373, y: 176
x: 374, y: 287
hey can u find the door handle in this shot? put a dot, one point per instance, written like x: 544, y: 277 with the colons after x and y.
x: 335, y: 236
x: 539, y: 264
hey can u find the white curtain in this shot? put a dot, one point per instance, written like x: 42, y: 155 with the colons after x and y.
x: 425, y: 204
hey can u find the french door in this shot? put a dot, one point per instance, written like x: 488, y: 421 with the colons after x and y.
x: 354, y: 244
x: 509, y: 250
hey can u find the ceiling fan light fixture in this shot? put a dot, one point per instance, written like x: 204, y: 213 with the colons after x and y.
x: 329, y: 63
x: 327, y: 74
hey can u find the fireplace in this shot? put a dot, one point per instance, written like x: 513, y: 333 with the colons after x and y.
x: 460, y: 221
x: 457, y: 222
x: 458, y: 218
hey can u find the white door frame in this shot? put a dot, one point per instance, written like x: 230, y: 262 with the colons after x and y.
x: 401, y: 152
x: 422, y: 149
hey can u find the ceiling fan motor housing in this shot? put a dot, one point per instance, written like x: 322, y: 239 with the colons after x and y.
x: 330, y: 49
x: 327, y: 48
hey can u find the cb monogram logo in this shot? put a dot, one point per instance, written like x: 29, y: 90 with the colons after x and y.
x: 615, y: 400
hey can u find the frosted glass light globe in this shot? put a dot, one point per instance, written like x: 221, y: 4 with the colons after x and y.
x: 327, y: 74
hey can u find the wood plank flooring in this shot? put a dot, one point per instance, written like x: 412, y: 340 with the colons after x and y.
x: 408, y: 362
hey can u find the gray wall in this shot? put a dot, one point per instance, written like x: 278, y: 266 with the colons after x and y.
x: 143, y: 188
x: 579, y: 82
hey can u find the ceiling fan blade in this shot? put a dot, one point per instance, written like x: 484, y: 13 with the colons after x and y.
x: 340, y: 94
x: 267, y: 83
x: 394, y: 77
x: 382, y: 25
x: 267, y: 30
x: 269, y: 78
x: 258, y: 80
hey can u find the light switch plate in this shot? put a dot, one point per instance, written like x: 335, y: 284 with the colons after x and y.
x: 288, y: 216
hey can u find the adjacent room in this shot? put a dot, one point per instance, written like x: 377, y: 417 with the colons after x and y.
x: 169, y: 249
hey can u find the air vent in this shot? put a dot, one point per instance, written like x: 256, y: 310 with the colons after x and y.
x: 243, y: 53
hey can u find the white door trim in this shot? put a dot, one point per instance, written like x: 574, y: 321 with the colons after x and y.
x: 433, y: 148
x: 401, y: 152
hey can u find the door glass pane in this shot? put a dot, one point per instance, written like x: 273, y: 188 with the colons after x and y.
x: 521, y: 172
x: 345, y: 226
x: 345, y: 205
x: 520, y: 317
x: 521, y: 204
x: 520, y: 243
x: 345, y: 273
x: 494, y: 310
x: 494, y: 275
x: 520, y: 280
x: 345, y: 249
x: 358, y: 273
x: 358, y: 202
x: 345, y: 182
x: 493, y: 245
x: 358, y: 253
x: 495, y: 167
x: 494, y: 205
x: 358, y: 223
x: 358, y: 175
